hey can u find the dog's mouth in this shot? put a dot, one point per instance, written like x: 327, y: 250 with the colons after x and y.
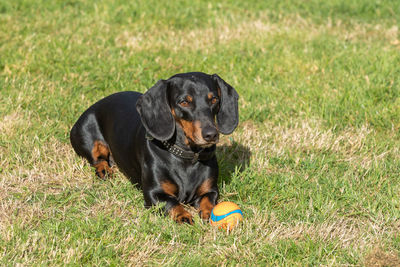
x: 203, y: 143
x: 208, y: 144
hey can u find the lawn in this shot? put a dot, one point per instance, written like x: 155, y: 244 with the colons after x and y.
x: 314, y: 163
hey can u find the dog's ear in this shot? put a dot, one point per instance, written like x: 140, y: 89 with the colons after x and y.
x: 155, y: 112
x: 228, y: 114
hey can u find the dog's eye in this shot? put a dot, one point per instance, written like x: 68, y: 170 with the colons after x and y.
x: 184, y: 103
x: 214, y: 100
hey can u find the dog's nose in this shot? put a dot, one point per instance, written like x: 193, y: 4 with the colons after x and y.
x: 210, y: 134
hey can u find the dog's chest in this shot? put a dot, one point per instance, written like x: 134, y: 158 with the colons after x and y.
x: 189, y: 181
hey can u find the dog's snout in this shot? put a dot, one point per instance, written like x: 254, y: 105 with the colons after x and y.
x: 210, y: 134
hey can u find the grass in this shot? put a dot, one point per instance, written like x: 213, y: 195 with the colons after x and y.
x: 314, y: 163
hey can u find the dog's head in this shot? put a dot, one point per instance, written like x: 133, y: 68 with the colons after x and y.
x: 202, y: 105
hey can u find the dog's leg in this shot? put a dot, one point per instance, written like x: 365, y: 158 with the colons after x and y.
x: 88, y: 142
x: 166, y: 193
x: 101, y: 159
x: 206, y: 204
x: 207, y: 194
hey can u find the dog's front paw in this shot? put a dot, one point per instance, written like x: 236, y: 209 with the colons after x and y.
x: 205, y: 208
x: 180, y: 215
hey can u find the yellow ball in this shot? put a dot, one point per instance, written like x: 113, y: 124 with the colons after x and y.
x: 226, y: 215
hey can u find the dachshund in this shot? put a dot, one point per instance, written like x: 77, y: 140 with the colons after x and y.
x: 164, y: 140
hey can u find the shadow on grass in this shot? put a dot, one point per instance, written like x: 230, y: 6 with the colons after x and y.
x: 232, y: 158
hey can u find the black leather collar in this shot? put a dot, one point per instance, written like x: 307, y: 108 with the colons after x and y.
x: 202, y: 155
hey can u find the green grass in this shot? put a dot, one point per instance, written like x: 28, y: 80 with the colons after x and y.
x: 314, y: 163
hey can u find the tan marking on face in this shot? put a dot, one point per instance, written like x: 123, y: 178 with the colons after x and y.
x: 210, y: 95
x: 180, y: 215
x: 187, y: 127
x: 177, y: 120
x: 192, y: 130
x: 205, y: 208
x: 197, y: 131
x: 204, y: 188
x: 169, y: 188
x: 189, y: 98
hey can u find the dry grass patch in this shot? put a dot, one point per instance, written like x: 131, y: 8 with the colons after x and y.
x: 111, y: 206
x: 379, y: 258
x: 253, y: 30
x: 146, y: 248
x: 346, y: 232
x: 11, y: 122
x: 53, y: 166
x: 352, y: 145
x: 50, y: 169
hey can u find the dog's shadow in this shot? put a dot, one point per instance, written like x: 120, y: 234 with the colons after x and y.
x: 232, y: 158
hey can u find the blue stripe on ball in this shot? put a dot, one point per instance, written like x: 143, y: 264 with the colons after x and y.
x: 216, y: 218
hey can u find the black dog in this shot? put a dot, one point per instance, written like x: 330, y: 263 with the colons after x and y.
x: 163, y: 140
